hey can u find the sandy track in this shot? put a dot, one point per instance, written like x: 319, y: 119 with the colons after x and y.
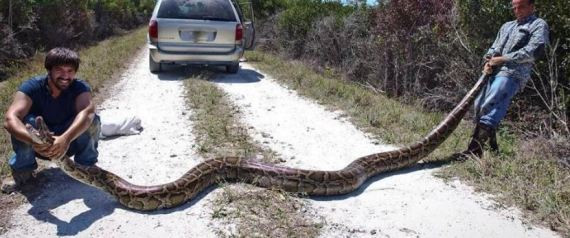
x: 410, y: 203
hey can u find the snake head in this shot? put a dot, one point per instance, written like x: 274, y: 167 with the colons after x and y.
x: 42, y: 135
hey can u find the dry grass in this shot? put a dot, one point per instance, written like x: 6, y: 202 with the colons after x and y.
x: 259, y: 212
x: 535, y: 177
x: 242, y: 210
x: 216, y: 122
x: 7, y: 89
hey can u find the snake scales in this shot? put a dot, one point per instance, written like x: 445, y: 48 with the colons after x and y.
x: 311, y: 182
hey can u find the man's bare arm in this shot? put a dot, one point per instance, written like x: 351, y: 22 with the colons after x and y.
x: 19, y: 108
x: 85, y: 114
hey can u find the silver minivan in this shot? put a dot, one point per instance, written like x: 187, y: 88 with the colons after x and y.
x: 203, y: 32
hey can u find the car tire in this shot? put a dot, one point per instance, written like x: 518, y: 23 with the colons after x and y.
x: 154, y: 66
x: 232, y: 68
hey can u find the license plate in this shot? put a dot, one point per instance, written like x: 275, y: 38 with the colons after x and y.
x: 197, y: 36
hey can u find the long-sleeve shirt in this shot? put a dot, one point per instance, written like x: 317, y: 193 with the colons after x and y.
x: 520, y: 42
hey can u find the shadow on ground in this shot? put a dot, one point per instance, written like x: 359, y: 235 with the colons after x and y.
x: 53, y: 189
x: 367, y: 183
x: 215, y: 73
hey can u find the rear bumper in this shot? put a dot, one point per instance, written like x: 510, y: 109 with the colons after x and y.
x: 160, y: 56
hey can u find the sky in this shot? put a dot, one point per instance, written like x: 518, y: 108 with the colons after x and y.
x: 371, y: 2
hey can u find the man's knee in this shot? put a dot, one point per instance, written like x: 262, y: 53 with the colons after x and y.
x: 84, y: 148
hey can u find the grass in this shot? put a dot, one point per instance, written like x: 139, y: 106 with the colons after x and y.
x: 216, y: 122
x: 99, y: 64
x: 242, y: 210
x: 264, y: 213
x: 530, y: 177
x: 526, y: 174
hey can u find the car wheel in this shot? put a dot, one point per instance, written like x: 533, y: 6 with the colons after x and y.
x: 232, y: 68
x: 154, y: 66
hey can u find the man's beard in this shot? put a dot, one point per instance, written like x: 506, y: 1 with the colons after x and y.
x: 60, y: 84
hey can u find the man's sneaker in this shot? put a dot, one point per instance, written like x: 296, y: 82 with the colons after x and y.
x: 18, y: 179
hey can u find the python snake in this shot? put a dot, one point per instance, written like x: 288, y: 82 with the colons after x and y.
x: 311, y: 182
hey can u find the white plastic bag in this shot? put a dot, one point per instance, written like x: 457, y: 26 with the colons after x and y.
x: 115, y: 124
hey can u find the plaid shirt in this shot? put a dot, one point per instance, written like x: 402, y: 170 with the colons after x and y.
x: 520, y: 42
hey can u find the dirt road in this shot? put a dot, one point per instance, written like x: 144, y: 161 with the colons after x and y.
x: 409, y: 203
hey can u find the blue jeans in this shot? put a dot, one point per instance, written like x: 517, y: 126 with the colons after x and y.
x: 84, y: 148
x: 496, y: 100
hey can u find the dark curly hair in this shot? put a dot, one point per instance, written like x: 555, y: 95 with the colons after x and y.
x: 62, y: 56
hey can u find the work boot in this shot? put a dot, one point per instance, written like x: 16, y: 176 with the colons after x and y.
x: 481, y: 134
x: 18, y: 179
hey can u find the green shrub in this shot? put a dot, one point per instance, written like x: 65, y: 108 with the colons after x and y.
x: 28, y: 26
x: 295, y: 22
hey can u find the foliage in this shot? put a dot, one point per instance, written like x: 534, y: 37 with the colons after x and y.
x: 411, y: 65
x: 31, y: 25
x: 406, y: 17
x: 295, y: 22
x: 331, y: 42
x: 263, y: 9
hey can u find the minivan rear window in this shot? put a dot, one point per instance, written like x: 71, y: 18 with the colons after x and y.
x: 215, y: 10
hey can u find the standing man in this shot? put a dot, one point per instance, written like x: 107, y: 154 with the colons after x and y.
x: 511, y: 58
x: 65, y: 104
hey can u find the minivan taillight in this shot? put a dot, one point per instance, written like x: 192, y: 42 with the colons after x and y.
x: 239, y: 32
x: 153, y: 30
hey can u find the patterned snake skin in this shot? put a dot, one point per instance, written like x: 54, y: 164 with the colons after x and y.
x: 311, y: 182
